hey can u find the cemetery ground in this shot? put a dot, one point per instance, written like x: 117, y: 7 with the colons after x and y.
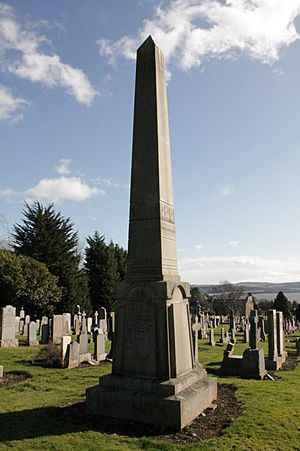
x: 45, y: 409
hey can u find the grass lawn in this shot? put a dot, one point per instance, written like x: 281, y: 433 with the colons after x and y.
x: 30, y: 418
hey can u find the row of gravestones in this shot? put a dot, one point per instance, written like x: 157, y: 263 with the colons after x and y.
x: 253, y: 364
x: 11, y: 326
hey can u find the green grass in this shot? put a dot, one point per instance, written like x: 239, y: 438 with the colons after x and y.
x: 30, y: 419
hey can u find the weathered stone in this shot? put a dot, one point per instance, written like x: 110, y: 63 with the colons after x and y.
x: 22, y: 313
x: 77, y: 326
x: 1, y: 371
x: 272, y: 362
x: 21, y: 326
x: 249, y: 305
x: 83, y: 323
x: 152, y: 341
x: 246, y: 333
x: 32, y: 341
x: 17, y: 325
x: 222, y: 337
x: 211, y: 338
x: 195, y: 331
x: 231, y: 364
x: 99, y: 349
x: 89, y: 325
x: 253, y: 366
x: 57, y: 328
x: 253, y: 335
x: 8, y: 327
x: 65, y: 342
x: 83, y: 341
x: 72, y: 355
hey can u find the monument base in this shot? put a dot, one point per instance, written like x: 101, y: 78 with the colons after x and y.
x: 276, y: 363
x: 173, y: 403
x: 14, y: 343
x: 253, y: 366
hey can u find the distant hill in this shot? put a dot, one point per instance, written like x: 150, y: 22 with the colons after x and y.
x: 257, y: 288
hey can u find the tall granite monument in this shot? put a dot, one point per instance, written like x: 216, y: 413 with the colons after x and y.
x: 155, y: 378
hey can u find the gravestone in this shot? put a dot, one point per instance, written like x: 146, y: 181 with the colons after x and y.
x: 102, y: 318
x: 246, y: 333
x: 45, y: 334
x: 32, y: 341
x: 280, y: 335
x: 222, y: 337
x: 57, y: 328
x: 83, y: 341
x: 38, y: 325
x: 211, y: 338
x: 99, y: 347
x: 72, y: 355
x: 155, y: 378
x: 89, y: 325
x: 1, y: 371
x: 21, y: 326
x: 232, y: 336
x: 195, y: 331
x: 96, y: 314
x: 297, y: 346
x: 272, y: 362
x: 262, y: 328
x: 249, y: 305
x: 65, y: 342
x: 77, y: 326
x: 67, y: 324
x: 83, y: 323
x: 8, y: 327
x: 253, y: 366
x: 17, y: 325
x: 22, y: 313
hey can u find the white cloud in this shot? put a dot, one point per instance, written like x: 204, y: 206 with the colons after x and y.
x: 226, y: 191
x: 63, y: 166
x: 199, y: 246
x: 189, y: 31
x: 232, y: 243
x: 238, y: 269
x: 21, y: 54
x: 56, y: 190
x: 10, y: 106
x: 62, y: 188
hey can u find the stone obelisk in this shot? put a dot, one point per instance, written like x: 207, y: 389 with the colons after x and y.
x: 155, y: 377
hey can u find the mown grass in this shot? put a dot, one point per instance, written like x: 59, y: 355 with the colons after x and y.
x: 30, y: 410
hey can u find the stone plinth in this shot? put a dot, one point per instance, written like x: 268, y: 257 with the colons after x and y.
x: 253, y: 366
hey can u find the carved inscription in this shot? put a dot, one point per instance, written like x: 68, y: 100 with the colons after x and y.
x: 166, y: 212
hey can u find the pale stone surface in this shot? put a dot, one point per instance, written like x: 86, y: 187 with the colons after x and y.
x: 65, y: 342
x: 99, y: 348
x: 17, y: 325
x: 83, y: 341
x: 57, y: 328
x: 1, y: 371
x: 212, y: 337
x: 32, y: 341
x: 72, y: 355
x: 155, y: 378
x: 8, y: 327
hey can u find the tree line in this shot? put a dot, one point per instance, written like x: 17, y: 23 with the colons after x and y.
x: 44, y: 272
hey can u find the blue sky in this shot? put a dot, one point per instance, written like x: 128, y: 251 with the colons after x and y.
x: 66, y: 106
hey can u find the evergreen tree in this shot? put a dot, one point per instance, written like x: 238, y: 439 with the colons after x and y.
x: 105, y: 265
x: 49, y: 237
x: 281, y: 304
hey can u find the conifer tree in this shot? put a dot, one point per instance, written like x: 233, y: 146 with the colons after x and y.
x: 50, y: 238
x: 105, y: 265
